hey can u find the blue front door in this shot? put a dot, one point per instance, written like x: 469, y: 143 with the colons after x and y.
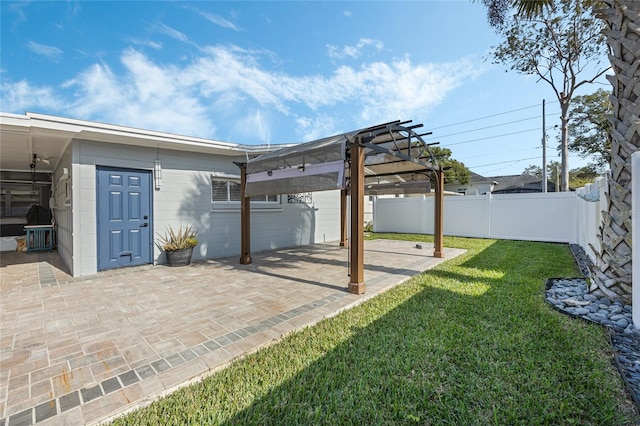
x: 124, y: 217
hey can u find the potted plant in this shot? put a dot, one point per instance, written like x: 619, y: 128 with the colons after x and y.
x: 178, y: 245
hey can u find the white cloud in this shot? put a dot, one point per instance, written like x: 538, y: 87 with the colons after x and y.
x: 72, y: 11
x: 254, y: 126
x: 228, y: 88
x: 18, y: 8
x: 50, y: 52
x: 219, y: 21
x: 377, y: 90
x: 353, y: 52
x: 148, y: 43
x: 147, y: 96
x: 312, y: 128
x: 173, y: 33
x: 21, y: 97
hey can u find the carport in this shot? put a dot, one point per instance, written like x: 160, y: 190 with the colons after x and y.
x: 389, y: 158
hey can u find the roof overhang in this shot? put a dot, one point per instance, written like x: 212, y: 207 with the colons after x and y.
x: 48, y: 136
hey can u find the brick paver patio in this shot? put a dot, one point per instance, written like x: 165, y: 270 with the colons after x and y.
x: 81, y: 351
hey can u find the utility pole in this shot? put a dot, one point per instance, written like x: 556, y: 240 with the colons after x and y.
x: 544, y: 151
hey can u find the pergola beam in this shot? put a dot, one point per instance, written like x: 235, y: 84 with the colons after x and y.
x: 343, y: 218
x: 438, y: 234
x: 245, y: 218
x: 356, y: 281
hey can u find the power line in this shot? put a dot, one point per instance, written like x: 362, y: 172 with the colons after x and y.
x: 494, y: 137
x: 489, y: 127
x: 514, y: 161
x: 499, y: 136
x: 504, y: 162
x: 490, y: 116
x: 505, y: 152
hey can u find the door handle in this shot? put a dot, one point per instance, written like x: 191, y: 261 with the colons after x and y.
x: 144, y: 225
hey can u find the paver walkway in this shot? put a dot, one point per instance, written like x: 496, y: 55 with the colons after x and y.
x: 81, y: 351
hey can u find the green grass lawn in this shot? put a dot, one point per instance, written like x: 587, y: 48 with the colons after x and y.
x: 471, y: 342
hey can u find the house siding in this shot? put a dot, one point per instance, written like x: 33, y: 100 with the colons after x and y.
x: 62, y: 209
x: 185, y: 198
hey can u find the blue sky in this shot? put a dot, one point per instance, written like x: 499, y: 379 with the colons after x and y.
x: 278, y: 72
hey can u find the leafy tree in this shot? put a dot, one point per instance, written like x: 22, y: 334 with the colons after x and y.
x: 583, y: 175
x: 577, y: 177
x: 561, y: 46
x: 553, y: 173
x: 590, y: 132
x: 497, y: 10
x: 612, y: 274
x: 533, y: 170
x: 455, y: 171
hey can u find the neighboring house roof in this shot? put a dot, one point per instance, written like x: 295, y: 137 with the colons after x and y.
x: 476, y: 179
x: 519, y: 184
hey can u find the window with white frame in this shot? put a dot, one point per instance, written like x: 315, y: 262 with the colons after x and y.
x: 227, y: 190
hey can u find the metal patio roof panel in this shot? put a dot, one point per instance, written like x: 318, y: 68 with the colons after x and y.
x: 391, y: 151
x: 315, y: 152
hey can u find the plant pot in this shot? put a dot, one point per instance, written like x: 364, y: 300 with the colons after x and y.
x: 180, y: 257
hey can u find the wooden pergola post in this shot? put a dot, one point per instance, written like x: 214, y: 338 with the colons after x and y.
x: 245, y: 219
x: 439, y: 216
x: 356, y: 283
x: 343, y: 218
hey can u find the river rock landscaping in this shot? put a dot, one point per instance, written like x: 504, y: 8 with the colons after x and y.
x: 571, y: 296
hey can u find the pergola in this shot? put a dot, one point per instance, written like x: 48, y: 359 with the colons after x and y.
x: 388, y: 158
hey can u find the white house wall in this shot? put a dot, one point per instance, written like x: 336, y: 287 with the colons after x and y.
x: 62, y: 209
x: 469, y: 188
x: 85, y: 242
x: 185, y: 198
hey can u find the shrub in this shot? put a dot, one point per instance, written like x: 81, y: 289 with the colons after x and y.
x: 180, y: 239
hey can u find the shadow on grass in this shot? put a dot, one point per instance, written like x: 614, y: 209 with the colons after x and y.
x: 424, y: 354
x: 441, y: 357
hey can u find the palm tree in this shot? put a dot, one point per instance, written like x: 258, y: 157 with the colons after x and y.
x: 612, y: 272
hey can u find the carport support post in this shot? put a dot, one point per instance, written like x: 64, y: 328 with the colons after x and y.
x: 356, y: 284
x: 343, y: 218
x: 439, y: 217
x: 245, y: 218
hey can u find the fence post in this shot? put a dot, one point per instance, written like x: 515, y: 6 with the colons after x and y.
x: 635, y: 237
x: 423, y: 214
x: 488, y: 213
x: 438, y: 226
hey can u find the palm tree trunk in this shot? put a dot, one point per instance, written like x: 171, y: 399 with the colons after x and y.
x: 612, y: 272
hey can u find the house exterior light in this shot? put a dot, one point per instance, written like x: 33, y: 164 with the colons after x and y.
x: 157, y: 174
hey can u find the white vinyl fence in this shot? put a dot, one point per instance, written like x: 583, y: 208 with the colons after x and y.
x: 566, y: 217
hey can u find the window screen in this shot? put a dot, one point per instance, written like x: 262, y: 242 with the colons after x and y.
x: 227, y: 190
